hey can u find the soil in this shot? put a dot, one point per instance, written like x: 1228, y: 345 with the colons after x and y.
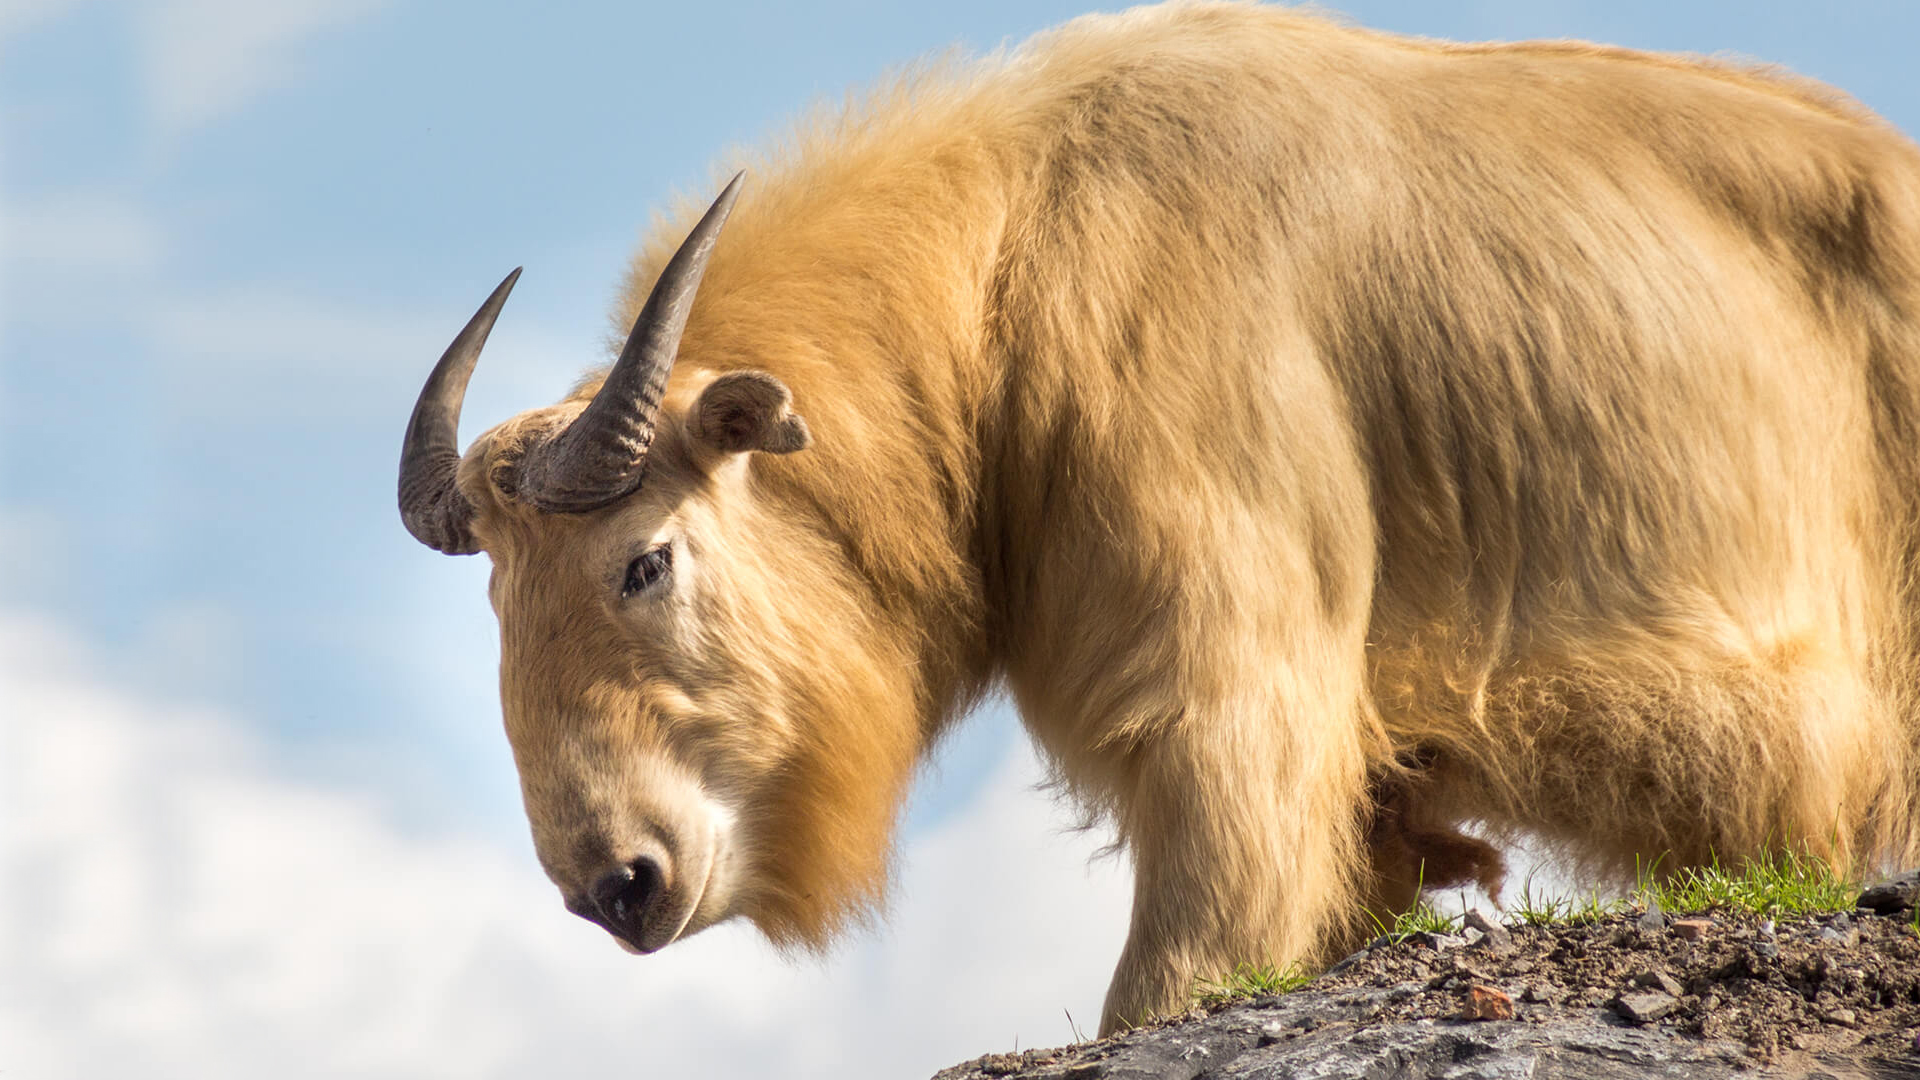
x: 1796, y: 993
x: 1817, y: 983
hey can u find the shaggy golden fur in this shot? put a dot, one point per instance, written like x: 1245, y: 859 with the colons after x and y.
x: 1330, y: 439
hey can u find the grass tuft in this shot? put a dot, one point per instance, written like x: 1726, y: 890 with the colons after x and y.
x: 1541, y: 910
x: 1782, y: 883
x: 1249, y: 981
x: 1423, y: 918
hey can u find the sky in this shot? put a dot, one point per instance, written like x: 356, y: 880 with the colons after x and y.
x: 256, y: 809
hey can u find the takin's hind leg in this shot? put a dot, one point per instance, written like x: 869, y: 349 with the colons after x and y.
x: 1412, y: 847
x: 1676, y: 768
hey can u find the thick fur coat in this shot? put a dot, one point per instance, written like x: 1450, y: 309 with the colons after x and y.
x: 1328, y: 439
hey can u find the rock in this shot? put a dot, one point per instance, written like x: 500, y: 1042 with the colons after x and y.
x: 1645, y: 1008
x: 1486, y: 1003
x: 1348, y: 962
x: 1659, y: 980
x: 1691, y: 929
x: 1816, y: 1011
x: 1653, y: 920
x: 1494, y: 938
x: 1439, y: 942
x: 1893, y: 896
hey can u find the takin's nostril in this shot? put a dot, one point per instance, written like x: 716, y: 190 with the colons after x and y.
x: 624, y: 895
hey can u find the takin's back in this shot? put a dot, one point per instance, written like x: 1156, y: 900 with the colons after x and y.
x: 1590, y: 373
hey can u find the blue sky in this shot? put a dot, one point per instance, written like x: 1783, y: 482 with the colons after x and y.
x: 250, y: 742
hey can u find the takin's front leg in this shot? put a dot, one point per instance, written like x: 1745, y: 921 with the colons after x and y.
x: 1246, y: 850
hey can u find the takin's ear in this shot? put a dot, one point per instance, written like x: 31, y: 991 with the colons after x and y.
x: 747, y: 410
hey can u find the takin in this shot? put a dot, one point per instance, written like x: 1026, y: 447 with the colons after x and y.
x: 1345, y: 450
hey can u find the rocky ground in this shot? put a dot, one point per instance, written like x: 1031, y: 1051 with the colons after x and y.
x: 1643, y: 994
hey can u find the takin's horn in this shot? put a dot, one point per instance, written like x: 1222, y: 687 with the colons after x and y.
x: 430, y: 504
x: 602, y: 455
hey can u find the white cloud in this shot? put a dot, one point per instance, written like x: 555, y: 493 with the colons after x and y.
x: 82, y: 232
x: 73, y: 256
x: 283, y: 354
x: 206, y: 58
x: 173, y: 908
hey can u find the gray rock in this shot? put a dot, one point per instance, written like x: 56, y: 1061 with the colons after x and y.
x: 1653, y: 920
x: 1892, y: 896
x: 1847, y: 938
x: 1543, y: 994
x: 1659, y: 980
x: 1645, y: 1008
x: 1494, y: 938
x: 1281, y: 1043
x: 1348, y: 962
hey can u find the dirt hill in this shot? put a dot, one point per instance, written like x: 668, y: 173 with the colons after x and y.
x: 1635, y: 995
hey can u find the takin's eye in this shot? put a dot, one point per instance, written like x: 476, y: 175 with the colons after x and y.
x: 647, y: 570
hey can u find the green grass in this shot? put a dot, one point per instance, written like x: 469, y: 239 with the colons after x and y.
x: 1421, y: 918
x: 1540, y: 910
x: 1260, y: 980
x: 1784, y: 883
x: 1249, y: 981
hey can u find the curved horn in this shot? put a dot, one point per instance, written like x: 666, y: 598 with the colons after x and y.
x: 603, y: 453
x: 431, y: 506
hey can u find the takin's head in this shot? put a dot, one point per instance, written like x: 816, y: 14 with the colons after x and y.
x: 706, y: 718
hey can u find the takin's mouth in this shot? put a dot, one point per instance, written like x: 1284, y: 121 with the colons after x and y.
x: 672, y: 920
x: 674, y: 913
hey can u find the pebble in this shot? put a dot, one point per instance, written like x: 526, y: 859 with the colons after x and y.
x: 1494, y: 938
x: 1475, y: 919
x: 1660, y: 980
x: 1843, y: 1017
x: 1487, y: 1003
x: 1644, y: 1008
x: 1653, y: 920
x: 1541, y: 994
x: 1691, y: 929
x: 1830, y: 936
